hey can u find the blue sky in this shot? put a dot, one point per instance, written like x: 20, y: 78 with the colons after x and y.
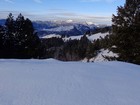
x: 97, y: 11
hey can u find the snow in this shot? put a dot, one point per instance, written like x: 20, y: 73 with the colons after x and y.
x: 91, y: 37
x: 72, y: 38
x: 60, y: 28
x: 103, y: 53
x: 69, y: 21
x: 51, y: 36
x: 65, y: 38
x: 51, y: 82
x: 97, y: 36
x: 90, y: 23
x: 101, y: 56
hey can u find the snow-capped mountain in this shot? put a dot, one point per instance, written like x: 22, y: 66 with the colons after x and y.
x: 64, y: 28
x: 67, y: 28
x: 60, y: 30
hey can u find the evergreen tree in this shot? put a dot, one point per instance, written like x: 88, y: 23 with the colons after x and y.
x: 18, y: 39
x: 9, y: 36
x: 1, y: 40
x: 125, y: 31
x: 82, y: 46
x: 28, y: 42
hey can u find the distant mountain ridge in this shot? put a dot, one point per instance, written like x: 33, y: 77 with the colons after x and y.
x: 64, y: 28
x: 2, y: 21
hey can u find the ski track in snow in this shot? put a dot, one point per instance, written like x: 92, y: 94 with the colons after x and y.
x: 51, y: 82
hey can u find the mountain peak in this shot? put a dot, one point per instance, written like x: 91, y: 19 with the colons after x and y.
x: 69, y: 21
x: 89, y: 23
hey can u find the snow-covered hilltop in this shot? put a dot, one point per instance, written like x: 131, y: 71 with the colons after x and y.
x: 67, y: 28
x: 51, y: 82
x: 91, y: 37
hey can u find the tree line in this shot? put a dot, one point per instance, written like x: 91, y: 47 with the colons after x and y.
x: 18, y: 39
x: 126, y: 32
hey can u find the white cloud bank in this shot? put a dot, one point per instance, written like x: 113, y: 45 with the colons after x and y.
x: 61, y: 15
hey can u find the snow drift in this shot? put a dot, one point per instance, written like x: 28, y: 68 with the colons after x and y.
x: 51, y: 82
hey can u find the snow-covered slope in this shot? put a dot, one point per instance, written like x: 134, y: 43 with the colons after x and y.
x: 51, y: 82
x: 51, y: 36
x: 72, y: 38
x: 60, y: 28
x: 101, y: 56
x: 97, y: 36
x: 91, y: 37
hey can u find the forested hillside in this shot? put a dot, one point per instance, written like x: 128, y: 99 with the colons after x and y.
x: 19, y: 39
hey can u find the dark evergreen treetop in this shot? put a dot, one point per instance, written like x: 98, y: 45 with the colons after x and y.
x: 18, y: 38
x: 126, y: 31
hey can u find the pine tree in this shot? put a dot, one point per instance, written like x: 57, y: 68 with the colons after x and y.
x: 18, y: 39
x: 125, y: 31
x: 9, y: 36
x: 82, y: 46
x: 28, y: 42
x: 1, y: 40
x: 32, y: 40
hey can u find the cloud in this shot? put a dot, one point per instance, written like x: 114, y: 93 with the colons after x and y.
x: 60, y: 15
x: 38, y: 1
x: 9, y: 1
x: 66, y: 15
x: 4, y: 14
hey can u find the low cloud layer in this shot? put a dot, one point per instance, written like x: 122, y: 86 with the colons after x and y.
x: 59, y: 14
x: 63, y: 14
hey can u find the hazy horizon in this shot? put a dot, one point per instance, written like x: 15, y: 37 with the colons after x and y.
x: 96, y: 11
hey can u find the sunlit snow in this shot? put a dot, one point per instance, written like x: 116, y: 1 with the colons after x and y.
x: 52, y: 82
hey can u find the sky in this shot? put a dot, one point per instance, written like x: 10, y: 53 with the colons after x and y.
x: 96, y: 11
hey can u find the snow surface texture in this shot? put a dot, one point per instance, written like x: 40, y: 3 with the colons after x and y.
x: 91, y: 37
x: 51, y: 36
x: 97, y: 36
x: 72, y: 38
x: 101, y: 56
x: 51, y: 82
